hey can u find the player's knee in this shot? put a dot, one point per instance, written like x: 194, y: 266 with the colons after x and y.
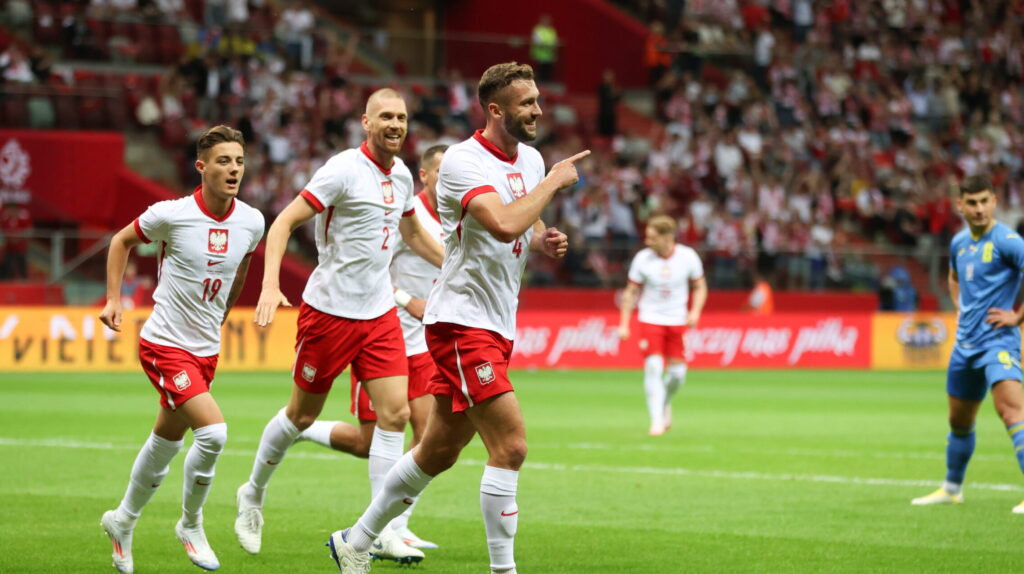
x: 212, y: 438
x: 302, y: 421
x: 511, y: 453
x: 393, y: 417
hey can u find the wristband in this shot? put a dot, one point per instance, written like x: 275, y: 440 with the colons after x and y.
x: 402, y: 298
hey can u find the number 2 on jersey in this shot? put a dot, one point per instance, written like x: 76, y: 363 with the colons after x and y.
x: 210, y: 288
x: 517, y: 247
x: 387, y: 237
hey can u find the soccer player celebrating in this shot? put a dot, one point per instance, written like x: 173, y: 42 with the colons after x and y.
x: 490, y: 194
x: 985, y: 262
x: 206, y: 241
x: 666, y: 271
x: 413, y: 277
x: 362, y: 199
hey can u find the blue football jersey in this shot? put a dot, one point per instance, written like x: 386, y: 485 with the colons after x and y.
x: 989, y: 272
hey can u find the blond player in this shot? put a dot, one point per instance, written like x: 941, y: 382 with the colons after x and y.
x: 413, y: 278
x: 490, y: 194
x: 362, y: 200
x: 206, y: 240
x: 662, y: 275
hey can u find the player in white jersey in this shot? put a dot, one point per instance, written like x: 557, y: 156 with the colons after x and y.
x: 206, y: 240
x: 362, y: 200
x: 662, y: 275
x: 413, y: 278
x: 490, y: 195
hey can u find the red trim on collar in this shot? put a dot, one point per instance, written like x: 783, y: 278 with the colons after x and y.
x: 198, y: 194
x: 433, y: 212
x: 478, y: 135
x: 366, y: 151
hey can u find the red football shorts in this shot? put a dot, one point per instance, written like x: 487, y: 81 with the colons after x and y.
x: 175, y: 373
x: 326, y: 344
x: 472, y: 363
x: 664, y: 340
x: 421, y: 369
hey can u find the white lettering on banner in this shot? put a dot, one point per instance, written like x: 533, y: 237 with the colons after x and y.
x: 9, y: 324
x: 531, y: 341
x: 766, y: 342
x: 829, y: 336
x: 589, y: 335
x: 718, y: 341
x: 60, y: 328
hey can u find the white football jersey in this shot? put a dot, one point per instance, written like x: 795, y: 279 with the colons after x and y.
x: 199, y: 256
x: 360, y: 203
x: 414, y: 275
x: 480, y: 277
x: 665, y: 283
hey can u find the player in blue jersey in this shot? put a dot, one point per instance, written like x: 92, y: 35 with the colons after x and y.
x: 985, y: 264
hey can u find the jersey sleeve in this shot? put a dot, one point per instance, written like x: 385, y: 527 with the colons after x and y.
x: 1013, y: 250
x: 696, y: 266
x: 464, y: 179
x: 259, y: 227
x: 409, y: 209
x: 329, y: 184
x: 635, y: 273
x: 154, y: 223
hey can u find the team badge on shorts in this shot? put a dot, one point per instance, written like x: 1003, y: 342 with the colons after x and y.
x: 387, y: 191
x: 516, y: 185
x: 308, y: 372
x: 485, y: 373
x: 218, y: 241
x: 181, y: 381
x: 643, y: 344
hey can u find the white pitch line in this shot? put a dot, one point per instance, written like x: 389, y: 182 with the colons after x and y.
x: 670, y: 471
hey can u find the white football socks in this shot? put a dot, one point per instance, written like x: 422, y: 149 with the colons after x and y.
x: 402, y: 485
x: 151, y: 466
x: 200, y: 464
x: 385, y: 450
x: 319, y: 432
x: 501, y: 515
x: 278, y: 436
x: 654, y: 387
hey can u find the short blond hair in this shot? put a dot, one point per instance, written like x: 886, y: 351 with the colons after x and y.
x: 662, y: 224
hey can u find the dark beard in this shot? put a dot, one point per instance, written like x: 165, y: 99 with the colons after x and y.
x: 516, y: 129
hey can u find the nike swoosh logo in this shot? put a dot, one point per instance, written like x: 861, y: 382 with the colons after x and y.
x: 378, y: 545
x: 503, y: 513
x: 202, y: 483
x: 212, y: 263
x: 408, y: 501
x: 272, y: 462
x: 389, y: 212
x: 155, y: 485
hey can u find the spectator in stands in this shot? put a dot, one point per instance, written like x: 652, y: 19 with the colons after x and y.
x: 15, y: 66
x: 607, y: 102
x: 544, y: 48
x: 761, y: 300
x: 295, y: 29
x: 15, y: 224
x: 896, y: 291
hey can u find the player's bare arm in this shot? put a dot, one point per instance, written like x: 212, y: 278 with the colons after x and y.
x: 508, y: 222
x: 420, y: 241
x: 117, y: 259
x: 236, y: 287
x: 699, y: 289
x: 299, y: 211
x: 626, y: 306
x: 550, y: 241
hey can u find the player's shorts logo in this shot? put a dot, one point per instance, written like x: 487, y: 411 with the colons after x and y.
x: 308, y: 372
x: 218, y: 242
x: 516, y: 185
x: 388, y: 191
x: 643, y: 344
x: 485, y: 373
x: 181, y: 381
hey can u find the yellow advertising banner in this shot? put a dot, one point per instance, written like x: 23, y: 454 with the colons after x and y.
x: 912, y: 340
x: 73, y: 339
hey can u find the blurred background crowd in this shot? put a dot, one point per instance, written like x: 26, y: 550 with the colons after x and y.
x: 817, y: 142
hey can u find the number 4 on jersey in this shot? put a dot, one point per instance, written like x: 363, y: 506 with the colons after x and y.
x: 517, y: 247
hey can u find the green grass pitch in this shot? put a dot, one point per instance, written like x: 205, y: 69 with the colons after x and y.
x: 778, y: 471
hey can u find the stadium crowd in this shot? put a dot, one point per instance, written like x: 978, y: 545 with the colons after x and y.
x: 787, y: 132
